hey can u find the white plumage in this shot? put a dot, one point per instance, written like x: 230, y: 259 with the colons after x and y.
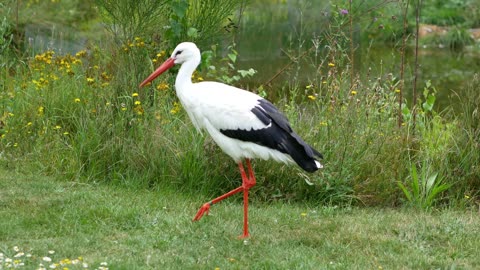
x: 244, y: 125
x: 224, y: 107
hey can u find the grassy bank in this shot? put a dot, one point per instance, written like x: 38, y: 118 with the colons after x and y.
x: 152, y: 229
x: 81, y: 117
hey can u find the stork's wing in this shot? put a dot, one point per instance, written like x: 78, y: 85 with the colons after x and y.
x: 225, y: 107
x: 247, y: 117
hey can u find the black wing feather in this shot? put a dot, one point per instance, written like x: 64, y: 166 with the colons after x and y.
x: 277, y: 135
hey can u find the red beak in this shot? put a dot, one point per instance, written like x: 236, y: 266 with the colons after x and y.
x: 163, y: 67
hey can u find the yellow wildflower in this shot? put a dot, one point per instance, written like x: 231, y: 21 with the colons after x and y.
x: 65, y: 261
x: 397, y: 90
x: 311, y: 97
x: 81, y: 53
x: 105, y: 76
x: 90, y: 80
x: 176, y: 108
x: 135, y: 95
x: 138, y: 110
x: 309, y: 86
x: 303, y: 214
x: 331, y: 64
x: 77, y: 100
x: 163, y: 86
x: 353, y: 92
x: 137, y: 102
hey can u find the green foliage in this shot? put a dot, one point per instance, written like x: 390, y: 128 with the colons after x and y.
x: 200, y: 21
x: 6, y: 34
x: 385, y: 21
x: 457, y: 38
x: 225, y: 71
x: 168, y: 22
x: 7, y: 45
x: 424, y: 188
x: 447, y: 12
x: 464, y: 161
x: 73, y: 13
x: 82, y: 117
x: 128, y: 19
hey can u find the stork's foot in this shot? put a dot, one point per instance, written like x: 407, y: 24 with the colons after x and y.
x: 203, y: 210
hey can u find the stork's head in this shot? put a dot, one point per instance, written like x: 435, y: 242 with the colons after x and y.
x: 184, y: 52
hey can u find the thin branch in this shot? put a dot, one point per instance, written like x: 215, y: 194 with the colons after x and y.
x: 415, y: 74
x: 402, y: 64
x: 352, y: 56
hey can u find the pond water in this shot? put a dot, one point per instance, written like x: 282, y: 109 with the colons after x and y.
x: 268, y: 27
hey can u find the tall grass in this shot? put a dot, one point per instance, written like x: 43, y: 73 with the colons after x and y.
x: 82, y: 117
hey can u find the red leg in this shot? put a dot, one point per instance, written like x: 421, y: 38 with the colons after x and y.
x: 206, y: 207
x: 247, y: 182
x: 251, y: 177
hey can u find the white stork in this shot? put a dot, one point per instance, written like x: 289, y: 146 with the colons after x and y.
x: 243, y: 124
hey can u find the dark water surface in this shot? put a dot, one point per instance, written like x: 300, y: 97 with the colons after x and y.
x: 268, y: 27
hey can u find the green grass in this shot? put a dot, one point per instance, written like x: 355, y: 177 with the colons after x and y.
x: 82, y: 117
x: 137, y: 228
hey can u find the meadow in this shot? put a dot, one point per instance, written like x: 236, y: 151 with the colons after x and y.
x: 64, y: 224
x: 94, y: 167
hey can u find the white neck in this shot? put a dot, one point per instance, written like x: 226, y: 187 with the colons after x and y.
x: 184, y: 76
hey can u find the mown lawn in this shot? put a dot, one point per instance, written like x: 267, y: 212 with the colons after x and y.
x: 133, y: 228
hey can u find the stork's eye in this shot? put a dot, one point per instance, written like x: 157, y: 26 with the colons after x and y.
x: 178, y: 52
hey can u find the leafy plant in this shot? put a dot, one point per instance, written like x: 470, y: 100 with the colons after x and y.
x: 6, y: 40
x: 201, y: 21
x: 128, y: 19
x: 458, y: 38
x: 424, y: 187
x: 226, y: 70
